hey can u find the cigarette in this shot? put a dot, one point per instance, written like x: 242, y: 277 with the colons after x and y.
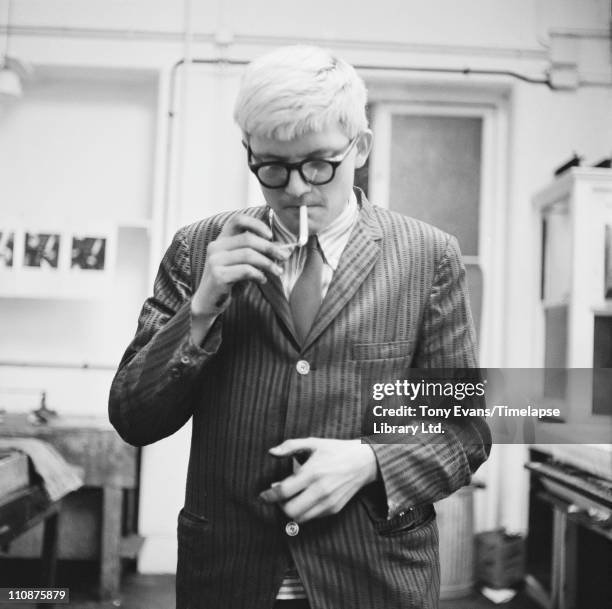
x: 303, y: 226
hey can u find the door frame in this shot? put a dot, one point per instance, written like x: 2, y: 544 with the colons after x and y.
x: 492, y: 109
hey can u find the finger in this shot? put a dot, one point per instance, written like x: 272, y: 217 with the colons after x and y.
x: 273, y: 250
x: 249, y: 256
x: 241, y: 223
x: 315, y: 502
x: 293, y: 446
x: 242, y: 272
x: 285, y: 489
x: 308, y: 502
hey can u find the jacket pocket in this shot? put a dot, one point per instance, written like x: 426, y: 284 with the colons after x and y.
x: 373, y: 351
x: 409, y: 521
x: 194, y: 564
x: 190, y: 520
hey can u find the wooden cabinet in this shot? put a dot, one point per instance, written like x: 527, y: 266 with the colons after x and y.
x: 575, y: 326
x: 576, y: 263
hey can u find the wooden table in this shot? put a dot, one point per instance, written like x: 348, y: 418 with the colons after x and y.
x: 569, y: 550
x: 109, y: 464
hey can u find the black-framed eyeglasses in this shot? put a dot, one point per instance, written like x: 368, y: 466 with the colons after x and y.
x: 276, y: 174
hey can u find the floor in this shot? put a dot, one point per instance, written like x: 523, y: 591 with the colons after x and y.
x: 157, y: 592
x: 137, y: 592
x: 140, y: 591
x: 477, y: 601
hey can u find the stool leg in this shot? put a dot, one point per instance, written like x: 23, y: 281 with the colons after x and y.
x: 49, y: 551
x: 49, y: 556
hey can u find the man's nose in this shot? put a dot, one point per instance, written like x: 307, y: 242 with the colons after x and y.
x: 296, y: 186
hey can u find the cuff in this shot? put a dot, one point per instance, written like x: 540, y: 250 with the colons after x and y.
x: 188, y: 357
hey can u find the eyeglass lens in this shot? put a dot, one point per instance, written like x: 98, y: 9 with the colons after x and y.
x: 315, y: 172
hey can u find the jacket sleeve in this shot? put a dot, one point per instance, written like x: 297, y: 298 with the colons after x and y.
x: 424, y: 471
x: 150, y: 394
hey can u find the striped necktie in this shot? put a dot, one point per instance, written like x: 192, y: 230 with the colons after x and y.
x: 305, y: 298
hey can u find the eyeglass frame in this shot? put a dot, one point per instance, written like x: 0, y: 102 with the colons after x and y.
x: 335, y: 162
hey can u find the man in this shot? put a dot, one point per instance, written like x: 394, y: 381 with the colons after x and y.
x: 264, y: 343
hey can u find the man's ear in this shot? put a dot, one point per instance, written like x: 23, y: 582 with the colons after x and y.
x: 364, y: 145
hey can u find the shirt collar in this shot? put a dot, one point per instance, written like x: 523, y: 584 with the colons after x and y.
x: 332, y: 239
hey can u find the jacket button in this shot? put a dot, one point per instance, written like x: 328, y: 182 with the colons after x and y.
x: 292, y: 528
x: 303, y: 367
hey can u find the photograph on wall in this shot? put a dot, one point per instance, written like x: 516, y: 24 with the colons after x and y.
x: 41, y: 250
x: 608, y: 263
x: 88, y: 253
x: 44, y: 261
x: 7, y: 248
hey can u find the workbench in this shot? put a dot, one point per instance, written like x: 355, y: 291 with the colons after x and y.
x: 23, y: 509
x: 109, y: 465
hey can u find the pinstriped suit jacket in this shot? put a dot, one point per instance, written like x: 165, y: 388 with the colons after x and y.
x: 398, y: 299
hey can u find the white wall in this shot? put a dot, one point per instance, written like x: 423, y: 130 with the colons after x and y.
x: 521, y: 25
x: 77, y: 151
x: 176, y: 170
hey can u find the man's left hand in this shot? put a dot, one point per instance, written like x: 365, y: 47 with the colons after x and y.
x: 332, y: 473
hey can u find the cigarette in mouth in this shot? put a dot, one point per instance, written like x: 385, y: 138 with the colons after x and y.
x: 303, y: 226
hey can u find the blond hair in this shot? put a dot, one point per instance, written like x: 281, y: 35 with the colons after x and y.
x: 295, y: 90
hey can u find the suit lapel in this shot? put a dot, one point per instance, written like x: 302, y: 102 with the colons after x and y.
x: 273, y: 291
x: 357, y: 260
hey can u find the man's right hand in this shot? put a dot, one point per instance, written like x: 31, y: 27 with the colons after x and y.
x: 243, y: 251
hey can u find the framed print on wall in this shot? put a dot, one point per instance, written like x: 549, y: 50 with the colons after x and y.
x: 48, y: 262
x: 41, y: 250
x: 88, y: 253
x: 7, y: 248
